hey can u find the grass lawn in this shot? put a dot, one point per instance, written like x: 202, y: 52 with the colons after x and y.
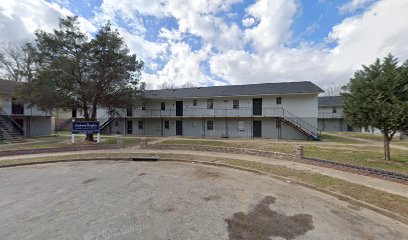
x: 369, y: 156
x: 337, y: 138
x: 273, y: 146
x: 364, y: 156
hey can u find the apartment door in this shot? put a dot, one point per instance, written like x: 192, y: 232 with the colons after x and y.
x: 179, y: 128
x: 179, y: 108
x: 129, y: 127
x: 257, y: 106
x: 257, y: 128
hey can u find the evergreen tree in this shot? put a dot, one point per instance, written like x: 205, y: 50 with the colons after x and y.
x: 377, y: 96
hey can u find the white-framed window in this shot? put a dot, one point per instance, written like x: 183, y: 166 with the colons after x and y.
x: 140, y: 124
x: 210, y: 103
x: 210, y: 125
x: 166, y: 124
x: 334, y: 110
x: 235, y: 104
x: 162, y: 106
x: 279, y: 100
x: 195, y: 103
x: 143, y: 106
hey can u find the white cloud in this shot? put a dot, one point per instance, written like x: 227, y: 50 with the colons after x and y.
x: 354, y: 5
x: 183, y: 67
x: 359, y: 40
x: 275, y: 19
x: 20, y: 19
x: 381, y: 27
x: 248, y: 22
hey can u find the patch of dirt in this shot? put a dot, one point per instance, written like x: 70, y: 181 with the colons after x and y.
x: 354, y: 207
x: 89, y: 180
x: 212, y: 198
x: 142, y: 174
x: 167, y: 210
x: 206, y: 173
x: 262, y: 223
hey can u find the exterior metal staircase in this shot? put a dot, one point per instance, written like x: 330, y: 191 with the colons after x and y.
x: 10, y: 131
x: 105, y: 120
x: 63, y: 125
x: 301, y: 125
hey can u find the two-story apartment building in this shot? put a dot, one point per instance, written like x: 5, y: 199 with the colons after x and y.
x: 271, y: 110
x: 18, y: 118
x: 331, y: 116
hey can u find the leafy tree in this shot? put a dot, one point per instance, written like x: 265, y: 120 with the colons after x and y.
x: 377, y: 96
x: 76, y: 72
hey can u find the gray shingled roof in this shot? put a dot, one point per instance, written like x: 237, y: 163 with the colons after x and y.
x: 7, y: 86
x: 236, y: 90
x: 331, y: 101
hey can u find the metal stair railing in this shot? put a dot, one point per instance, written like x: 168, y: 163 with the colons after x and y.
x: 15, y: 127
x: 105, y: 120
x: 302, y: 124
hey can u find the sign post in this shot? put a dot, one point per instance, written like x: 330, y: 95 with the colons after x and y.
x: 85, y: 128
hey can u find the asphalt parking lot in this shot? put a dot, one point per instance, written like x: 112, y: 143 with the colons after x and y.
x: 163, y: 200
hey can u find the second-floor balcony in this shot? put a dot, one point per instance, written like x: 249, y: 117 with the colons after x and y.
x: 327, y: 115
x: 204, y: 112
x: 21, y: 110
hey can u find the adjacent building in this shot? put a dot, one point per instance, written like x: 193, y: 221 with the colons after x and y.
x: 20, y: 120
x: 331, y: 116
x: 271, y: 110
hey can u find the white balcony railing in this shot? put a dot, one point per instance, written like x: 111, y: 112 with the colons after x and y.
x: 204, y: 112
x: 27, y: 111
x: 330, y: 115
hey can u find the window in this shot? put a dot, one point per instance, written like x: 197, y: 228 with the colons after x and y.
x: 278, y: 100
x: 129, y: 112
x: 195, y: 103
x: 210, y: 125
x: 116, y: 123
x: 143, y: 106
x: 166, y: 124
x: 334, y: 110
x: 140, y: 124
x: 241, y: 126
x: 162, y: 106
x: 235, y: 104
x: 210, y: 103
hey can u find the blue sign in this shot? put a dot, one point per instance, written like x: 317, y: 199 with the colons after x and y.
x: 85, y: 127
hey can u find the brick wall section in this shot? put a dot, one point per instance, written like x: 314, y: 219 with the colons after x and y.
x: 60, y: 149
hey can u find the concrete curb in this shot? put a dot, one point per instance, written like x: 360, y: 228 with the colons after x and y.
x: 286, y: 180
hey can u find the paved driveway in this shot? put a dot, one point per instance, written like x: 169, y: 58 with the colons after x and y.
x: 162, y: 200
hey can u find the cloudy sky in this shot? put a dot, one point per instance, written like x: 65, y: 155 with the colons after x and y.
x: 218, y: 42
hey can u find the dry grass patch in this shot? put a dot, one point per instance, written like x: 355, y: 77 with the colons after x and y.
x: 266, y: 146
x: 391, y: 202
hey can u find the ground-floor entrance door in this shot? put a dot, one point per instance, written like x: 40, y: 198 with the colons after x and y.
x: 257, y: 129
x: 129, y: 127
x: 179, y: 128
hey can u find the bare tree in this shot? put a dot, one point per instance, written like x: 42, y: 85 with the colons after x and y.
x: 167, y: 85
x: 188, y: 85
x: 16, y: 62
x: 170, y: 85
x: 333, y: 91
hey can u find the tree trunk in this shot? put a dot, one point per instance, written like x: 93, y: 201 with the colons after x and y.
x: 387, y: 154
x: 89, y: 137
